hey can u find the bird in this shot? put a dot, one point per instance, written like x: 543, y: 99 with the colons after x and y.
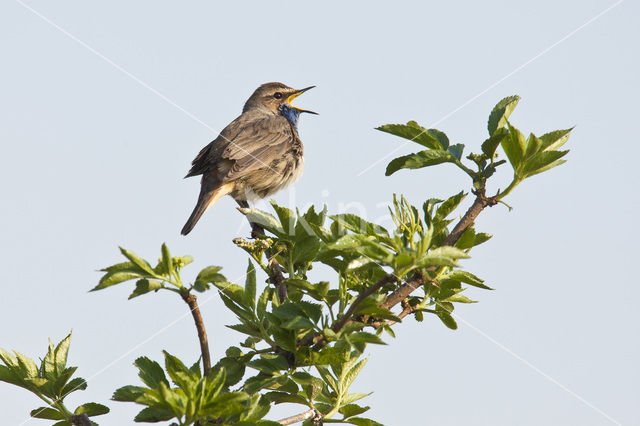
x: 256, y: 155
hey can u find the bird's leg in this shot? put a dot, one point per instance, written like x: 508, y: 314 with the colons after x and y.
x: 276, y: 277
x: 256, y: 230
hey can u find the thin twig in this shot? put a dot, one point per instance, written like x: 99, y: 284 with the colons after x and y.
x: 313, y: 413
x: 192, y: 301
x: 337, y: 326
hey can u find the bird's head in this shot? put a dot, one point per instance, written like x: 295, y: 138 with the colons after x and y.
x: 276, y: 97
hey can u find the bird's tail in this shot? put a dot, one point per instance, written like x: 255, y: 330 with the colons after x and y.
x: 206, y: 199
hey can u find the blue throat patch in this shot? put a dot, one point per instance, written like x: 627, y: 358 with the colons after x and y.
x: 290, y: 114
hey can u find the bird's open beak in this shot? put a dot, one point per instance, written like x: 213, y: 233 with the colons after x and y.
x: 295, y: 95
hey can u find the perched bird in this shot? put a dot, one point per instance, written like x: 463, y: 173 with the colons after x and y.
x: 256, y: 155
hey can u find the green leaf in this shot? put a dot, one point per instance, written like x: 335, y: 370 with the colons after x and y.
x: 47, y: 413
x: 542, y: 161
x: 450, y: 205
x: 350, y: 410
x: 269, y: 363
x: 413, y: 132
x: 468, y: 278
x: 8, y: 376
x: 250, y: 286
x: 167, y: 261
x: 287, y: 218
x: 306, y: 249
x: 442, y: 256
x: 366, y: 337
x: 456, y: 150
x: 554, y: 140
x: 297, y: 323
x: 234, y: 370
x: 92, y: 409
x: 352, y: 373
x: 27, y: 366
x: 144, y: 286
x: 150, y: 372
x: 138, y: 261
x: 361, y: 421
x: 419, y: 160
x: 209, y: 275
x: 62, y: 380
x: 441, y: 137
x: 265, y: 220
x: 514, y: 146
x: 154, y: 414
x: 458, y: 298
x: 280, y: 397
x: 353, y: 397
x: 178, y: 372
x: 490, y: 145
x: 60, y: 354
x: 128, y: 393
x: 74, y: 385
x: 447, y: 319
x: 501, y: 112
x: 116, y: 277
x: 533, y: 146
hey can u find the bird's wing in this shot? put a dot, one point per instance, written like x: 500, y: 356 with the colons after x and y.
x: 250, y: 142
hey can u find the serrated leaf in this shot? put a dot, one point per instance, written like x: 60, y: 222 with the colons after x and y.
x: 419, y: 160
x: 353, y: 372
x: 154, y: 414
x: 542, y: 160
x: 490, y: 145
x: 456, y: 150
x: 265, y: 220
x: 280, y: 397
x: 151, y: 372
x: 554, y: 140
x: 447, y: 207
x: 365, y: 337
x: 306, y: 249
x: 250, y: 286
x: 138, y: 261
x: 75, y: 384
x: 468, y: 278
x: 47, y: 413
x: 208, y: 275
x: 350, y: 410
x: 116, y: 277
x: 128, y: 393
x: 92, y: 409
x: 144, y: 286
x: 501, y: 112
x: 447, y: 319
x: 27, y: 365
x: 514, y: 146
x: 413, y: 132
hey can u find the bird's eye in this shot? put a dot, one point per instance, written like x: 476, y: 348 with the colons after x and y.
x: 277, y: 95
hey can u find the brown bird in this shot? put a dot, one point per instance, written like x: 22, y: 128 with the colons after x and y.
x: 256, y: 155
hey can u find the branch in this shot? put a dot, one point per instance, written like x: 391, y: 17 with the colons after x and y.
x: 337, y: 326
x: 465, y: 222
x: 310, y: 414
x: 276, y: 276
x: 192, y: 301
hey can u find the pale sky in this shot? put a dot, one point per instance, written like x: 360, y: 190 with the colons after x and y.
x: 103, y: 106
